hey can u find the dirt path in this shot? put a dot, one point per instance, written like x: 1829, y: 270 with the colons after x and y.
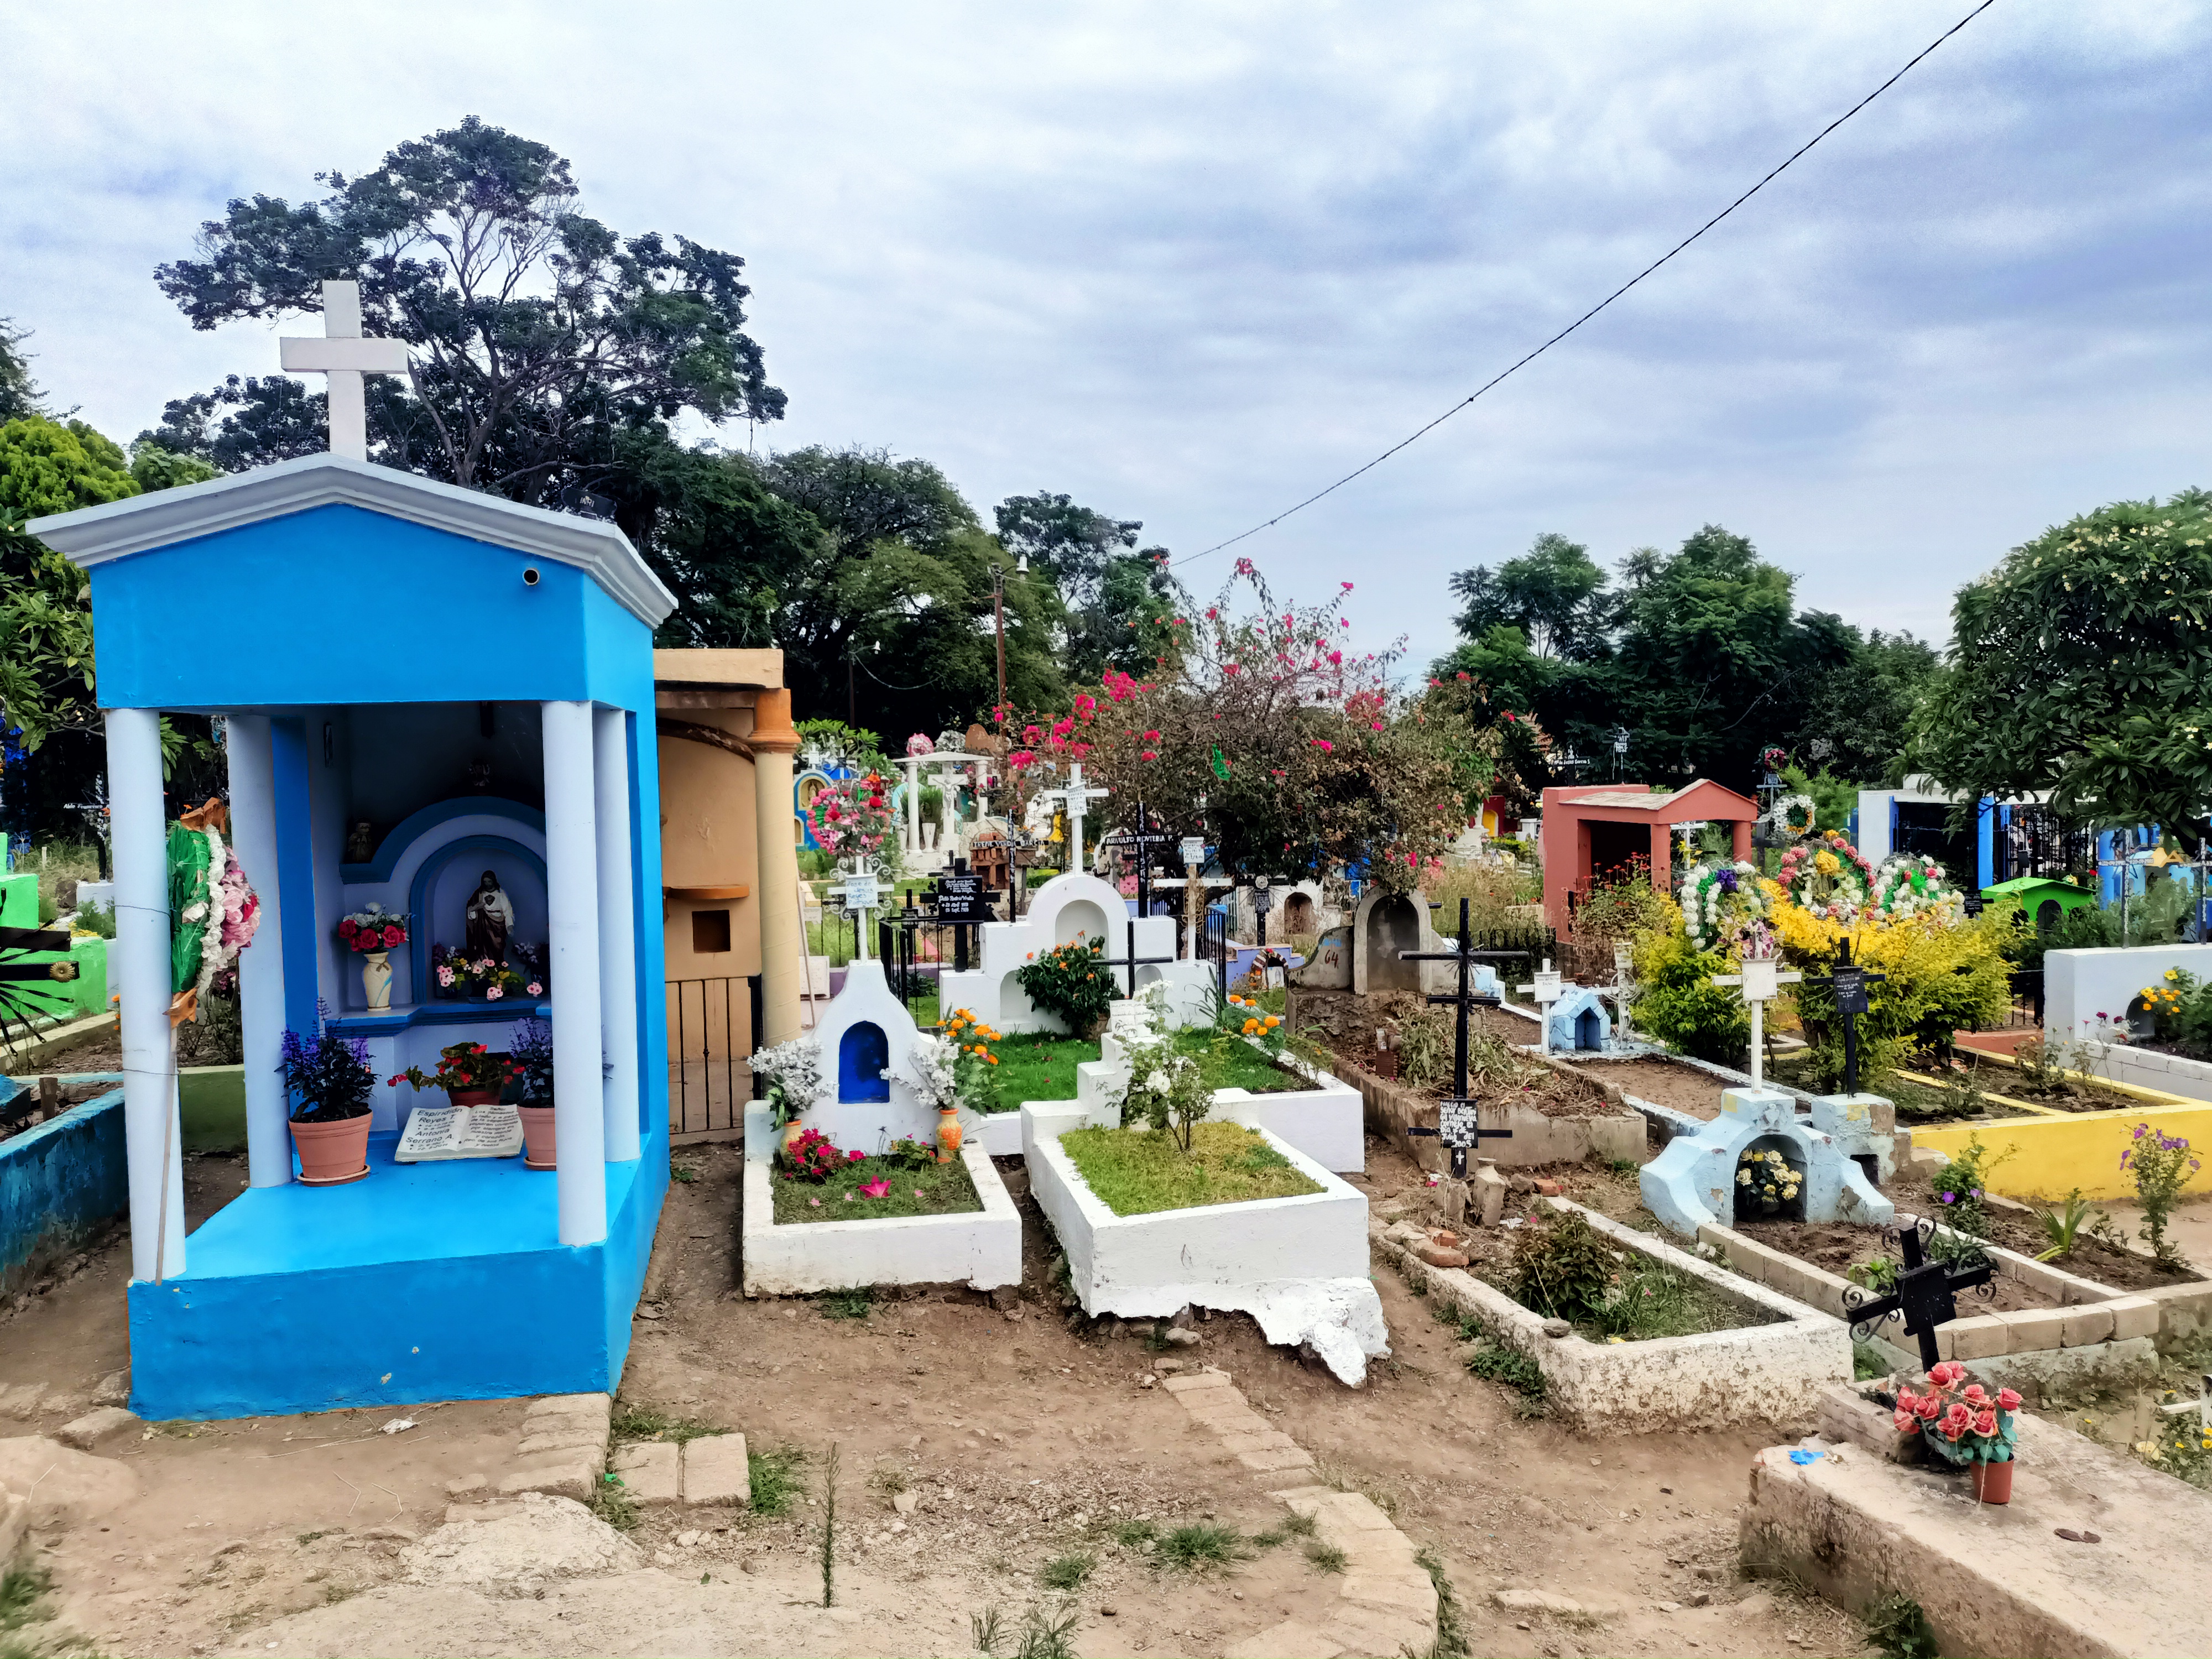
x: 1022, y: 1439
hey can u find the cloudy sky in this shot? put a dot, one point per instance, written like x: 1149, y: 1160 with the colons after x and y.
x: 1190, y: 262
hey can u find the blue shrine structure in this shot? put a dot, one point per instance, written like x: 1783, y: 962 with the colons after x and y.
x: 419, y: 685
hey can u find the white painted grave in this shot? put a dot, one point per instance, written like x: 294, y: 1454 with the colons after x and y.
x: 1071, y: 906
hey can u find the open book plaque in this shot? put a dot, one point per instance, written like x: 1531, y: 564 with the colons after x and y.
x: 444, y: 1132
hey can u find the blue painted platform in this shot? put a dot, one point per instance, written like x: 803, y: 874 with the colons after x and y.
x: 426, y: 1281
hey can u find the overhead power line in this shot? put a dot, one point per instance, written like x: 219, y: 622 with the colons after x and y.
x: 1417, y: 435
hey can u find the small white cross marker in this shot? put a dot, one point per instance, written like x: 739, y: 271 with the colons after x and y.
x: 344, y: 356
x: 1548, y: 988
x: 1759, y: 984
x: 1077, y: 799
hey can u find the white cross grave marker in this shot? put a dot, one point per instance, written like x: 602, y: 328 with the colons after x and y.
x: 1622, y: 991
x: 1077, y: 798
x: 1549, y: 991
x: 344, y: 356
x: 1761, y: 983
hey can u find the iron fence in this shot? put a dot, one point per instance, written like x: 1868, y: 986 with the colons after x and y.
x: 711, y: 1026
x: 2025, y: 1008
x: 2030, y: 840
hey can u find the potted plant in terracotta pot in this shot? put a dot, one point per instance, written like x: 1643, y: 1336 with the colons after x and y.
x: 330, y: 1079
x: 531, y: 1046
x: 1963, y: 1423
x: 793, y: 1071
x: 469, y: 1073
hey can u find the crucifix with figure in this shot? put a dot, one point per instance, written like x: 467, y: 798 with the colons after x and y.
x: 1924, y: 1296
x: 1760, y: 982
x: 1458, y: 1124
x: 344, y: 357
x: 1848, y: 982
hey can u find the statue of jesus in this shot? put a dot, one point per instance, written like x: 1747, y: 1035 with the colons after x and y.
x: 490, y: 920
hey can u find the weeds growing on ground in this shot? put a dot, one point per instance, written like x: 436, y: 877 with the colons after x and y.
x: 845, y: 1305
x: 829, y: 1529
x: 1199, y: 1547
x: 1451, y: 1634
x: 1044, y: 1636
x: 1495, y: 1363
x: 774, y: 1479
x: 1867, y: 1363
x: 644, y: 1423
x: 1326, y: 1558
x: 1299, y: 1526
x: 1135, y: 1535
x: 987, y: 1632
x: 1067, y: 1572
x: 1897, y: 1629
x: 613, y: 1503
x: 888, y: 1479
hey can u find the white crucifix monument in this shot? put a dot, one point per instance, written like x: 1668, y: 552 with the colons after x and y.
x: 1076, y: 797
x: 1547, y: 990
x: 1760, y: 982
x: 344, y: 356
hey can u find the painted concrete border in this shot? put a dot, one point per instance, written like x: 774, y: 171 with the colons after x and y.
x: 1392, y: 1109
x: 2049, y: 1156
x: 1670, y: 1383
x: 982, y: 1247
x: 1299, y: 1266
x: 60, y: 1183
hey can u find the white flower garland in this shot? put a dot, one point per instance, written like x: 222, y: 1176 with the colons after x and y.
x: 1907, y: 885
x: 1715, y: 909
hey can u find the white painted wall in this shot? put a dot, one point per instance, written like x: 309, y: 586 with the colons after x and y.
x: 2079, y: 984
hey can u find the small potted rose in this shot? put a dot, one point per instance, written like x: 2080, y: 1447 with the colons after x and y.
x: 372, y: 935
x: 1962, y: 1423
x: 330, y: 1079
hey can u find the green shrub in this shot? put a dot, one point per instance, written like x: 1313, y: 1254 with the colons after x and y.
x: 1068, y: 982
x: 1562, y: 1267
x: 1679, y: 1003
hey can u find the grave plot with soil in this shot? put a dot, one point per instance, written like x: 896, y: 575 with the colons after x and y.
x: 1630, y: 1334
x: 1919, y: 1190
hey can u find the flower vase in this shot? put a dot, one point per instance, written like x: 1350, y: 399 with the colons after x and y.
x: 1993, y: 1482
x: 948, y: 1133
x: 791, y: 1131
x: 376, y: 981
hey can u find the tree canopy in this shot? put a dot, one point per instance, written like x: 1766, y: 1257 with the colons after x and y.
x: 540, y: 336
x: 2083, y: 664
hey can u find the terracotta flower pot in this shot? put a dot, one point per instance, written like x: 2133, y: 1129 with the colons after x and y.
x: 1993, y: 1482
x: 473, y: 1096
x: 537, y: 1150
x: 333, y: 1153
x: 948, y: 1133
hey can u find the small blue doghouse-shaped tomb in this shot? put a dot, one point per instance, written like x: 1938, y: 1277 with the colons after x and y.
x: 1578, y: 1020
x: 1838, y: 1154
x: 421, y: 686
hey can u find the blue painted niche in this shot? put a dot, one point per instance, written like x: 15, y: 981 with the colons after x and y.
x: 864, y: 1054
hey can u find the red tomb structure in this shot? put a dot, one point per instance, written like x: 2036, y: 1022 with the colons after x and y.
x: 1593, y: 830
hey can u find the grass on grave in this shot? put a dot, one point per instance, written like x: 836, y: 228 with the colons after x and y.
x: 644, y: 1423
x: 932, y: 1189
x: 1039, y: 1065
x: 1139, y: 1171
x: 1243, y: 1066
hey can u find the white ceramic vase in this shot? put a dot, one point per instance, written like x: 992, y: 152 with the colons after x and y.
x: 376, y: 979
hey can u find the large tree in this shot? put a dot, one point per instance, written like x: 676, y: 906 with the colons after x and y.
x: 2083, y: 664
x: 1118, y: 601
x: 1555, y: 595
x: 540, y: 336
x: 19, y: 392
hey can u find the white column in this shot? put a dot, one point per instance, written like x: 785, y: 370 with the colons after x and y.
x: 572, y: 859
x: 261, y: 964
x: 153, y: 1139
x: 912, y: 827
x: 617, y: 933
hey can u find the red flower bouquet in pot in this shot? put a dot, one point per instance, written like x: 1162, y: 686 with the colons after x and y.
x: 369, y: 934
x: 469, y: 1073
x: 1964, y: 1423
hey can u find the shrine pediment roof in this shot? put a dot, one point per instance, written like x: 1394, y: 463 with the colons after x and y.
x: 93, y: 535
x: 1702, y: 799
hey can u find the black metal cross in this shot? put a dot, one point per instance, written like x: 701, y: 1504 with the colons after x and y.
x: 1463, y: 1122
x: 1850, y: 984
x: 1133, y: 961
x: 1925, y: 1293
x: 1139, y: 842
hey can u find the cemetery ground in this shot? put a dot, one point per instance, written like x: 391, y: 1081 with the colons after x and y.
x: 1024, y: 1438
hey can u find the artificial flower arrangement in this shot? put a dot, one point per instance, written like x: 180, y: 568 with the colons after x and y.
x: 1962, y: 1422
x: 1907, y: 885
x: 852, y: 818
x: 1795, y: 813
x: 794, y: 1071
x: 814, y: 1156
x: 373, y: 929
x: 1720, y: 901
x: 460, y: 975
x: 213, y: 911
x: 1769, y: 1177
x: 465, y: 1069
x: 1827, y: 876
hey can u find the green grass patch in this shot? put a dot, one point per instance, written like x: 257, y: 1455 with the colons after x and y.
x: 774, y: 1479
x: 643, y: 1423
x: 851, y: 1303
x: 1135, y: 1535
x: 1201, y: 1547
x: 934, y: 1189
x: 1039, y: 1065
x: 1137, y: 1172
x: 1243, y: 1066
x: 1496, y: 1362
x: 1326, y: 1558
x: 1067, y: 1572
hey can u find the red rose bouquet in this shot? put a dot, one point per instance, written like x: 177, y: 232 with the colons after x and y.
x: 1962, y: 1422
x: 373, y: 929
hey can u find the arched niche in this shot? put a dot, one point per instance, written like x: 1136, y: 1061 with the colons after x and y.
x: 864, y: 1054
x: 438, y: 897
x: 1393, y: 924
x: 1081, y: 918
x: 1750, y: 1203
x: 1589, y: 1030
x: 1297, y: 915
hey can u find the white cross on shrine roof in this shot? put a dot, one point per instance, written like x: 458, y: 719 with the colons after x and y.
x: 344, y: 356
